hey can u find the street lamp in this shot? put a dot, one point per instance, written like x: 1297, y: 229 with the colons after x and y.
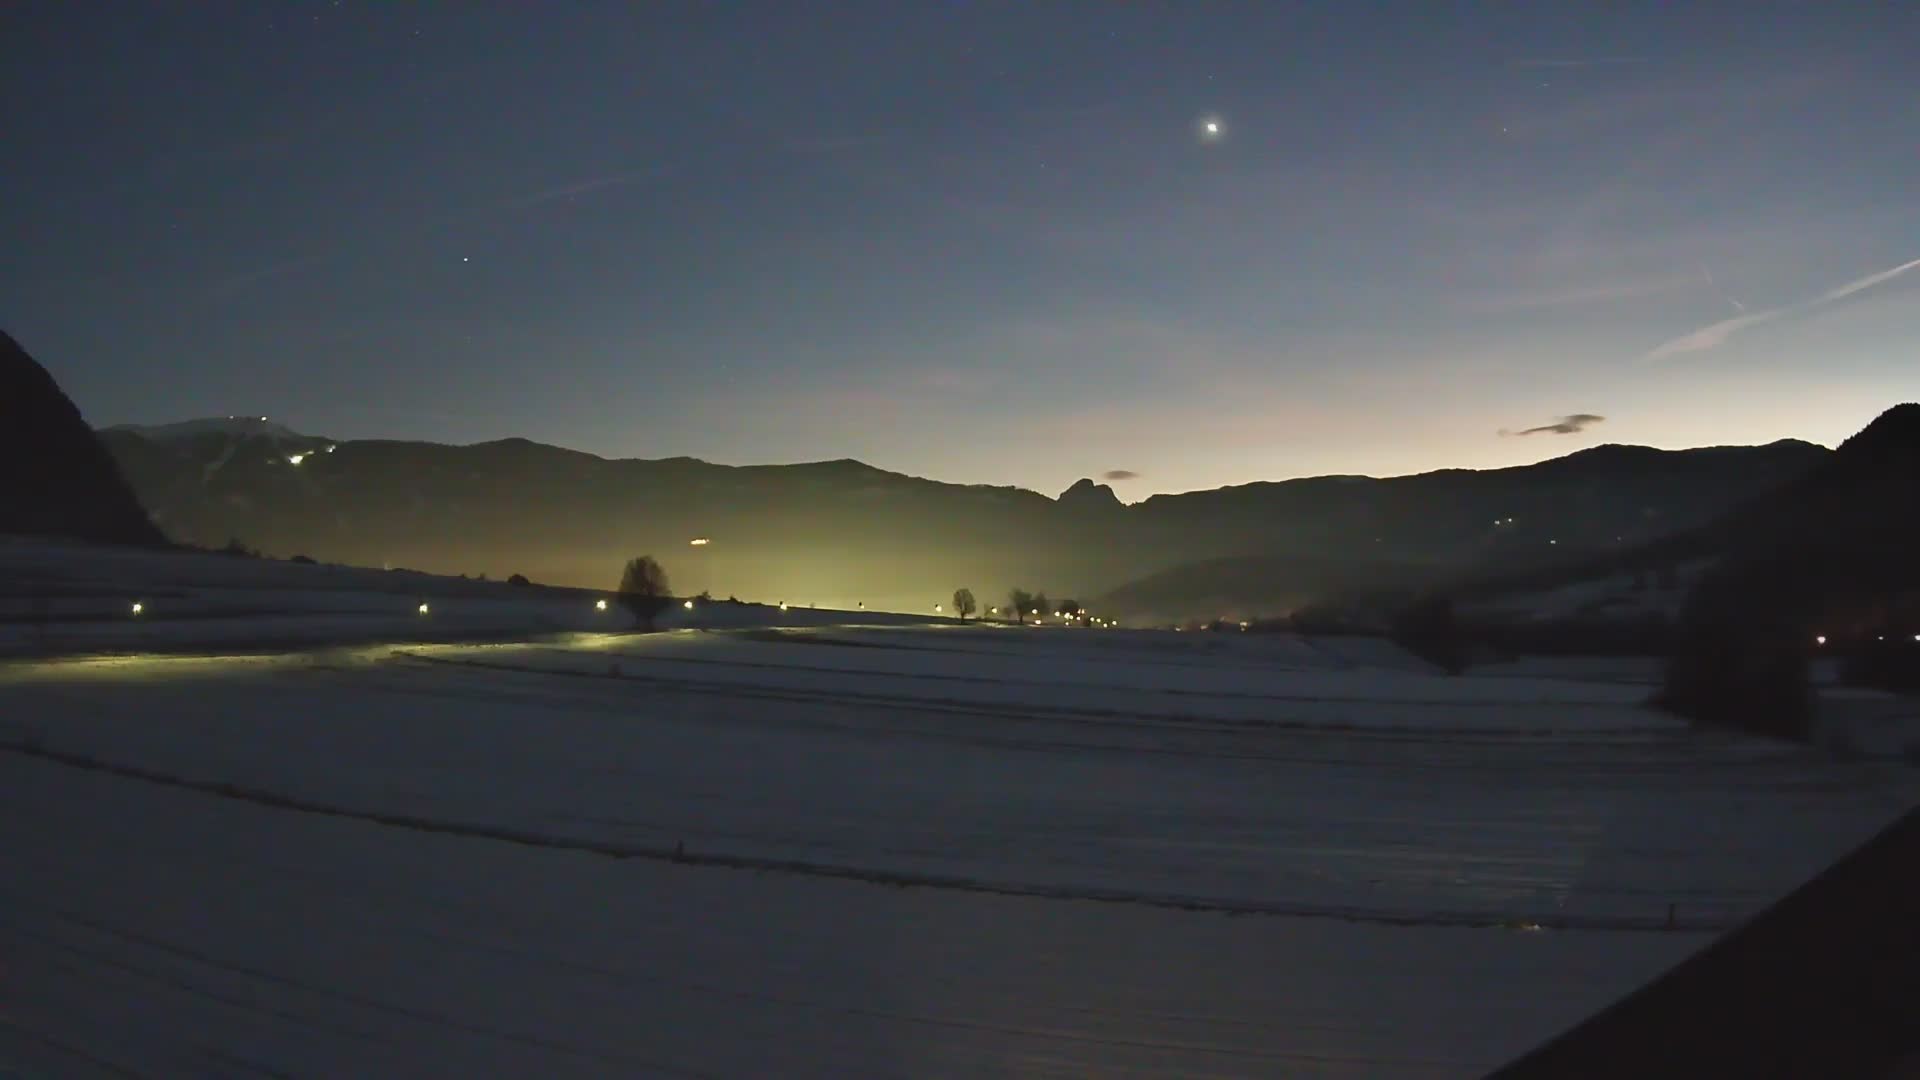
x: 936, y: 609
x: 599, y: 605
x: 138, y: 607
x: 688, y: 605
x: 423, y: 609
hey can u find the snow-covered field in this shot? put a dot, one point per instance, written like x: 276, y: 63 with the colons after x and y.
x: 860, y: 850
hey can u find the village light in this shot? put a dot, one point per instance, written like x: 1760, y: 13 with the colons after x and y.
x: 138, y: 607
x: 1820, y: 639
x: 599, y: 605
x: 688, y: 605
x: 936, y: 609
x: 423, y: 609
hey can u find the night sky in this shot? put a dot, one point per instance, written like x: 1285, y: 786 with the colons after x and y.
x: 980, y: 242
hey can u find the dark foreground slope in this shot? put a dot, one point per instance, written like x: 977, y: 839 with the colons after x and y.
x: 1832, y: 556
x: 56, y: 479
x: 1826, y: 983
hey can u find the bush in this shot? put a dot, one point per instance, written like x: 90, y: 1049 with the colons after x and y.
x: 1427, y: 629
x: 1740, y: 658
x: 304, y: 560
x: 518, y: 579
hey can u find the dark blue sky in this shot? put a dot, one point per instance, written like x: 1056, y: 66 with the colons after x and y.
x: 982, y: 242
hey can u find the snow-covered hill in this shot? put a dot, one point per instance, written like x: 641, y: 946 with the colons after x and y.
x: 237, y: 426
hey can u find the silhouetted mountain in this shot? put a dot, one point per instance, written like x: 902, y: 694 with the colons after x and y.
x: 1087, y: 495
x: 230, y: 426
x: 55, y: 477
x: 1832, y: 556
x: 843, y: 532
x: 1442, y: 526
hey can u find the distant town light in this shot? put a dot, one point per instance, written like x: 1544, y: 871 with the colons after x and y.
x: 688, y: 605
x: 295, y: 459
x: 936, y: 609
x: 1820, y: 639
x: 699, y: 541
x: 138, y: 607
x: 783, y: 605
x: 599, y: 605
x: 331, y: 449
x: 423, y: 609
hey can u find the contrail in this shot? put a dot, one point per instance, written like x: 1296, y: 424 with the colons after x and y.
x: 581, y: 187
x: 1717, y: 334
x: 1724, y: 295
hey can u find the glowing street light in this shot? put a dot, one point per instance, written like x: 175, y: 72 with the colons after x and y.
x: 699, y: 541
x: 424, y: 609
x: 936, y: 609
x: 599, y: 605
x: 783, y: 605
x: 138, y: 607
x: 1820, y: 639
x: 688, y: 605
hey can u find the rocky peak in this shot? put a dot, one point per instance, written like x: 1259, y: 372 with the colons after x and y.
x: 1088, y: 495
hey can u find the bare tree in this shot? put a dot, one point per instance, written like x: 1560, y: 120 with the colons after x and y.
x: 644, y: 589
x: 1020, y: 600
x: 963, y: 604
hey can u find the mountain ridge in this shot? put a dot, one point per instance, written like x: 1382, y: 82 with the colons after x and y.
x: 844, y: 532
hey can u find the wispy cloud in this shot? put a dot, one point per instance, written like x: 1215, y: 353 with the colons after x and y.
x: 575, y: 188
x: 234, y: 283
x: 1566, y: 425
x: 1566, y: 63
x: 1717, y: 334
x: 1580, y: 295
x: 830, y: 144
x: 1119, y: 474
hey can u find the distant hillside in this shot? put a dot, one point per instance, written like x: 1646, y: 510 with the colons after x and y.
x: 55, y: 477
x: 1442, y: 527
x: 843, y: 532
x: 1831, y: 558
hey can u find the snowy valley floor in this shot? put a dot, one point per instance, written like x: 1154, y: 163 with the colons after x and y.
x: 864, y: 851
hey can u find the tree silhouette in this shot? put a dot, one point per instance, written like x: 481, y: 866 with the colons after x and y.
x: 1067, y: 608
x: 1039, y: 603
x: 1020, y: 600
x: 963, y: 604
x: 644, y: 589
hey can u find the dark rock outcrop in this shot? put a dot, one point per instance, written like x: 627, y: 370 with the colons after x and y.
x: 56, y: 479
x: 1087, y: 495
